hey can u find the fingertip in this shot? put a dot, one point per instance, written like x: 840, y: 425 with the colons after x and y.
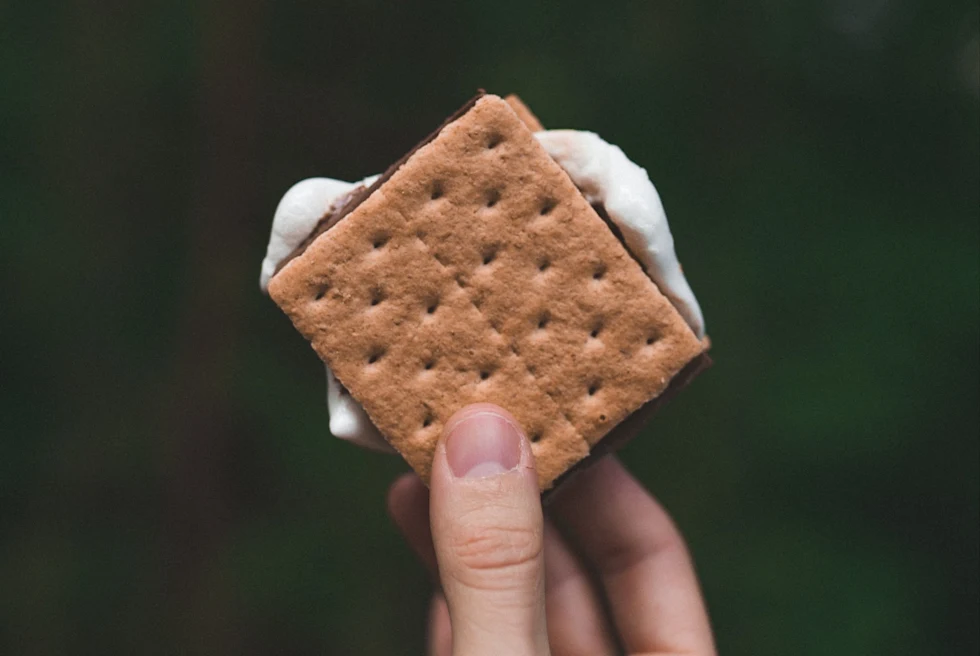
x: 408, y: 508
x: 597, y: 479
x: 402, y: 492
x: 608, y: 495
x: 606, y: 469
x: 480, y: 441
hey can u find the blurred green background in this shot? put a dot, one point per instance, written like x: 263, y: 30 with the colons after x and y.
x: 167, y: 481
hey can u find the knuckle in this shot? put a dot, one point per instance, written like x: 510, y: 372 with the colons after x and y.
x: 496, y: 548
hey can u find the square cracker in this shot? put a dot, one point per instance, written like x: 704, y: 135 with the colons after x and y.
x: 478, y: 272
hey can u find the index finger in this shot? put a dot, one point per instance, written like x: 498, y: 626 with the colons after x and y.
x: 641, y: 560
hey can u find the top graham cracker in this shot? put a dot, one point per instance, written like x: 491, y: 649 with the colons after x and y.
x: 479, y: 273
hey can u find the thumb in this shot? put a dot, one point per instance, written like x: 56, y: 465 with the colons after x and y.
x: 487, y: 528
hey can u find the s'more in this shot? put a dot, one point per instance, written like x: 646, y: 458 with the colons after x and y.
x: 495, y: 262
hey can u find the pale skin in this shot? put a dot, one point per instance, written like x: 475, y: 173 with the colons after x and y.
x: 603, y: 571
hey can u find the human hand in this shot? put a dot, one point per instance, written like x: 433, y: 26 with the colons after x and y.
x: 516, y: 582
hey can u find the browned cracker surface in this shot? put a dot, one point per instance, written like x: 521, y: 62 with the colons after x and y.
x: 478, y: 272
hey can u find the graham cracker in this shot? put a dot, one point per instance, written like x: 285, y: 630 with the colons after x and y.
x: 476, y: 271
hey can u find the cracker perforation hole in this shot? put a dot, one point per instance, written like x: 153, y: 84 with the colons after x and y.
x: 535, y: 436
x: 544, y: 265
x: 484, y: 374
x: 494, y: 140
x: 380, y: 241
x: 429, y: 364
x: 437, y: 190
x: 602, y: 417
x: 651, y: 339
x: 599, y: 272
x: 427, y: 418
x: 544, y: 320
x: 489, y: 254
x: 432, y: 306
x: 596, y: 329
x: 375, y: 354
x: 492, y: 197
x: 321, y: 292
x: 593, y: 388
x: 547, y: 205
x: 377, y: 295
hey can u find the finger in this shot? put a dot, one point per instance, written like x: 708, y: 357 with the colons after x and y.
x: 487, y: 525
x: 439, y: 641
x: 641, y: 559
x: 576, y: 618
x: 408, y: 506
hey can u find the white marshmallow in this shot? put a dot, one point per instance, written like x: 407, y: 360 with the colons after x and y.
x: 605, y: 175
x: 296, y: 216
x: 348, y: 421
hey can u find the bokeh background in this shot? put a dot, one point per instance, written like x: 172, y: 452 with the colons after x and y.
x: 167, y: 482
